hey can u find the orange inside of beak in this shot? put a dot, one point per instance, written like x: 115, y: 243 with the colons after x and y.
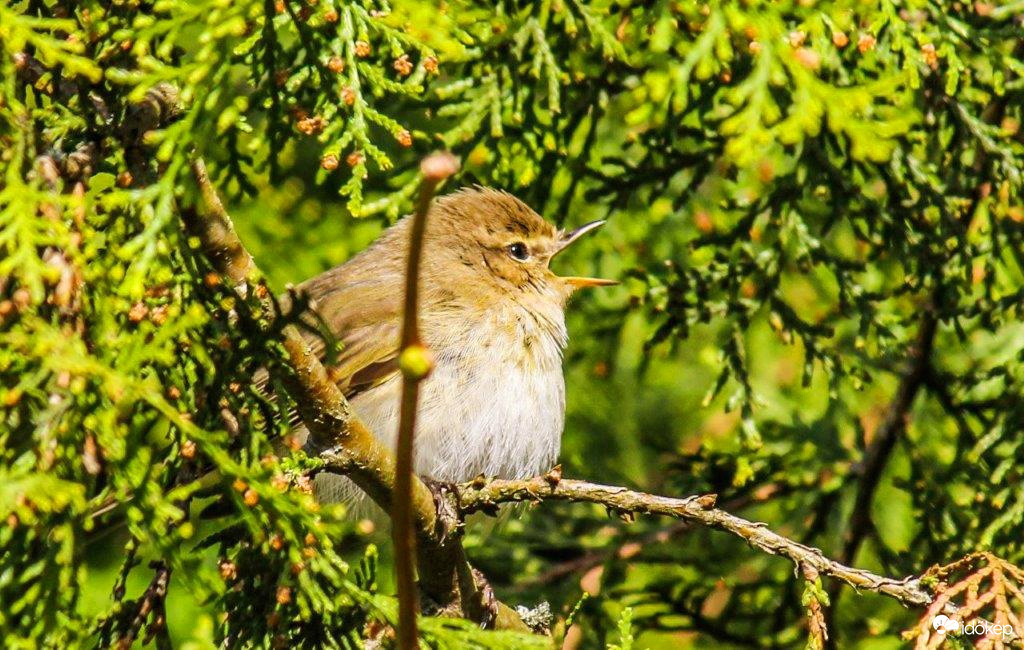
x: 569, y: 238
x: 579, y: 283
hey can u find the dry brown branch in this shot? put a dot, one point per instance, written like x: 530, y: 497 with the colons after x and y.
x: 699, y: 509
x: 629, y: 547
x: 340, y: 438
x: 414, y: 361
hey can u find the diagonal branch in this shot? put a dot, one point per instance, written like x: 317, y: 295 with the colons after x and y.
x: 345, y: 444
x: 876, y: 456
x: 918, y: 372
x: 333, y: 427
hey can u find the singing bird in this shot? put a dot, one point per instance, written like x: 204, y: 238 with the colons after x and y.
x: 493, y: 315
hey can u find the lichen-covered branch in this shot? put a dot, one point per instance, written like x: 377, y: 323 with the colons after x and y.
x: 629, y: 547
x: 699, y: 509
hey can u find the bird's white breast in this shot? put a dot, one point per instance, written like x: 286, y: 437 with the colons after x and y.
x: 494, y: 403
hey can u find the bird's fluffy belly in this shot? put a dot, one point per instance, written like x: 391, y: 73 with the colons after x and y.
x: 473, y: 420
x: 493, y: 405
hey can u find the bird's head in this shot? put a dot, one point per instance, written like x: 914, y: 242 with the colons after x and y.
x: 494, y: 241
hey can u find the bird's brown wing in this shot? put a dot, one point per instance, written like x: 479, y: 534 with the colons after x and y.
x: 353, y: 329
x: 364, y: 319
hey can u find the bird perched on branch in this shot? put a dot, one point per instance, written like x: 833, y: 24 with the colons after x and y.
x: 492, y: 315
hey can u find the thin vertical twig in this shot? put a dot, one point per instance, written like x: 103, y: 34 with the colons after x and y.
x: 415, y: 363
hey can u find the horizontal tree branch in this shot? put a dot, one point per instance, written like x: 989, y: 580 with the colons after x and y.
x: 630, y: 546
x: 698, y: 509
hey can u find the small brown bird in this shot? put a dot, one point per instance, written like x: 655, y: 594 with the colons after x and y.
x: 491, y: 312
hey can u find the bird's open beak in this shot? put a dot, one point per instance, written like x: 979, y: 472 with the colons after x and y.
x: 569, y: 237
x: 579, y: 283
x: 566, y: 240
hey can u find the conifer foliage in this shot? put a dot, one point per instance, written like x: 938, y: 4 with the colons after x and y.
x: 815, y: 208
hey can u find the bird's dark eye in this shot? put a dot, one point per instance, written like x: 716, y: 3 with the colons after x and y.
x: 519, y: 251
